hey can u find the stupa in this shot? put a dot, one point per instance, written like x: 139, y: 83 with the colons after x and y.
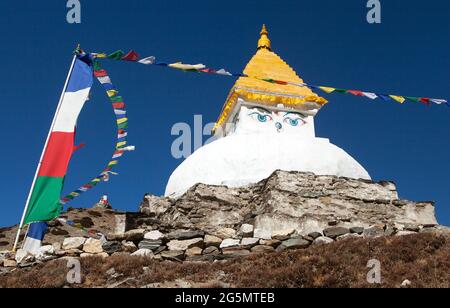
x: 264, y: 127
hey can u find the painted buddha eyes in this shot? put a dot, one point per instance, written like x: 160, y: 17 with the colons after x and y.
x: 293, y: 120
x: 290, y: 118
x: 261, y: 117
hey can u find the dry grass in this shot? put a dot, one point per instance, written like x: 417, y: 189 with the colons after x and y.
x: 423, y: 259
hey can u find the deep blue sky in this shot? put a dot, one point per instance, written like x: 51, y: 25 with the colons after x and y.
x: 327, y: 42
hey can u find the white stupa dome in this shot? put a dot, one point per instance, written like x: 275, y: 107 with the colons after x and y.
x: 238, y: 160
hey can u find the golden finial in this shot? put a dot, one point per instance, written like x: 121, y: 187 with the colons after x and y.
x: 264, y: 41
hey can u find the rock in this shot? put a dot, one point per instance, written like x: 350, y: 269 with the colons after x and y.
x: 173, y: 255
x: 235, y: 252
x: 92, y: 246
x: 177, y: 245
x: 262, y: 234
x: 348, y: 235
x: 373, y: 232
x: 389, y: 230
x: 21, y: 255
x: 150, y: 244
x: 413, y: 228
x: 154, y: 235
x: 45, y: 253
x: 246, y: 230
x: 73, y: 252
x: 57, y: 246
x: 143, y: 253
x: 405, y: 283
x: 73, y: 243
x: 194, y: 251
x: 322, y: 240
x: 403, y: 233
x: 272, y: 243
x: 249, y: 242
x: 211, y: 240
x: 185, y: 235
x: 202, y: 258
x: 226, y: 243
x: 102, y: 255
x: 86, y: 255
x: 334, y: 232
x: 314, y: 235
x: 296, y: 243
x: 111, y: 247
x: 357, y: 230
x: 262, y: 249
x: 9, y: 263
x: 129, y: 246
x: 211, y: 250
x: 282, y: 235
x: 135, y: 235
x: 224, y: 233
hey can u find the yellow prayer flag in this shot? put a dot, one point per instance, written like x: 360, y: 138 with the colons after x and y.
x: 399, y: 99
x: 112, y: 93
x: 123, y: 120
x: 327, y: 89
x: 119, y: 144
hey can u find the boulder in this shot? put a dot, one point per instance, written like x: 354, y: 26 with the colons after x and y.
x: 150, y: 244
x: 357, y: 230
x: 194, y: 251
x: 374, y: 231
x: 404, y: 232
x: 211, y: 240
x: 249, y: 242
x: 111, y: 247
x: 334, y: 232
x: 185, y: 235
x: 173, y: 255
x: 21, y: 255
x: 154, y: 235
x: 135, y: 235
x: 211, y: 250
x: 92, y: 246
x: 246, y: 230
x: 129, y: 246
x: 283, y: 235
x: 73, y: 243
x: 143, y: 253
x: 321, y: 240
x: 45, y: 253
x: 9, y: 263
x: 235, y: 252
x: 86, y: 255
x: 272, y: 243
x: 296, y: 243
x: 177, y: 245
x: 314, y: 235
x: 229, y: 242
x: 348, y: 235
x: 262, y: 234
x: 224, y: 233
x: 262, y: 249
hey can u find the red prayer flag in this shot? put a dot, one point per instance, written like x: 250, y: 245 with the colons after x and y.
x: 424, y: 100
x: 100, y: 73
x: 355, y: 92
x: 118, y: 105
x: 131, y: 56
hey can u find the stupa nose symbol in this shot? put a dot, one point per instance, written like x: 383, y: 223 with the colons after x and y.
x: 279, y: 126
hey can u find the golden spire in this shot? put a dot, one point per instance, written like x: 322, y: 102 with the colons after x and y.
x: 264, y: 41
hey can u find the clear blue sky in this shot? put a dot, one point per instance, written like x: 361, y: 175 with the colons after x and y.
x: 327, y: 42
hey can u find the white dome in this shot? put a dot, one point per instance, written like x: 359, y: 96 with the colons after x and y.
x: 238, y: 160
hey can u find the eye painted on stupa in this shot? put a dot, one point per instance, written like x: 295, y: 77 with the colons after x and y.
x: 294, y: 119
x: 260, y: 115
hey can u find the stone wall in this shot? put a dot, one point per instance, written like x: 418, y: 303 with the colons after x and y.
x: 290, y: 200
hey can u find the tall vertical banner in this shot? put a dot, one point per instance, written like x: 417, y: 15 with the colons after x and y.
x: 44, y: 203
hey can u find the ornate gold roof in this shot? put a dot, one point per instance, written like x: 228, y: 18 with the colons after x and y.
x: 266, y: 64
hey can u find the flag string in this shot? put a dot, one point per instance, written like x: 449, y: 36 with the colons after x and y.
x: 133, y: 56
x: 121, y: 147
